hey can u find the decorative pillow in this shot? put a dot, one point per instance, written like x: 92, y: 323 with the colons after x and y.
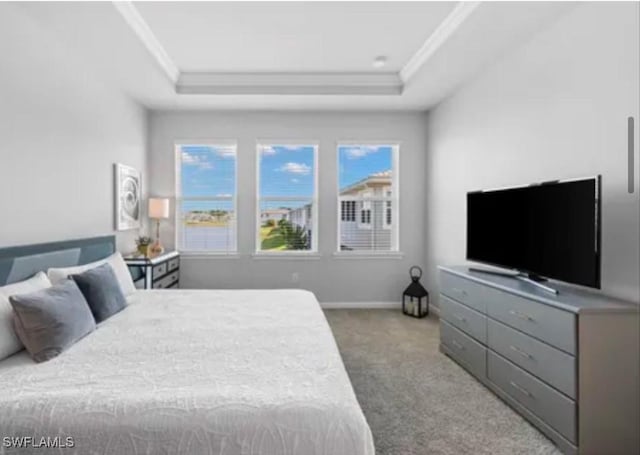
x: 119, y: 267
x: 9, y: 341
x: 51, y: 320
x: 101, y: 291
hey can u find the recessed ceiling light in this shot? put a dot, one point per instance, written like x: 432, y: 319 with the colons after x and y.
x: 380, y: 61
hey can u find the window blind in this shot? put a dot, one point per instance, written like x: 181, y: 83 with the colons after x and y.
x: 286, y: 198
x: 367, y: 198
x: 207, y: 198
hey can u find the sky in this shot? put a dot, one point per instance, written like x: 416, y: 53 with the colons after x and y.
x: 286, y: 171
x: 358, y: 162
x: 208, y: 171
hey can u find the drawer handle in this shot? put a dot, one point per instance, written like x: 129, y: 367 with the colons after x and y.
x: 457, y: 345
x: 460, y: 291
x: 521, y: 352
x: 521, y: 389
x: 520, y: 315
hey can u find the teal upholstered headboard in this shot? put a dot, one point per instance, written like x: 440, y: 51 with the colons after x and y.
x: 18, y: 263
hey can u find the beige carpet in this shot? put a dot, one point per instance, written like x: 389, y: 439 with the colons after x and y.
x: 417, y: 401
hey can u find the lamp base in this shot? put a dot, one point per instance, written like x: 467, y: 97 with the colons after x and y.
x: 156, y: 248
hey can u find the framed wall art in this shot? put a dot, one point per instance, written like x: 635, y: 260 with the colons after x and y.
x: 128, y: 195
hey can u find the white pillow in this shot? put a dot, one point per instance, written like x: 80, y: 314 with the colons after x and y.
x: 9, y: 342
x: 121, y: 270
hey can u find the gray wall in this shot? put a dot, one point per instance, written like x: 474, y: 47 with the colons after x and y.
x: 61, y: 128
x: 332, y: 279
x: 555, y: 108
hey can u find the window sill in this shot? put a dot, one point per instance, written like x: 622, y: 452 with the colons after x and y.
x: 208, y: 255
x: 286, y: 255
x: 368, y: 255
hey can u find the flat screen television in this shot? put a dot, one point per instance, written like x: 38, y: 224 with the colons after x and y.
x: 549, y: 229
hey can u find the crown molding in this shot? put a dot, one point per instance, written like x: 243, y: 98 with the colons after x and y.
x: 435, y: 41
x: 212, y: 83
x: 140, y: 27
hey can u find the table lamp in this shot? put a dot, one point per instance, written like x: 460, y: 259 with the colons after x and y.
x: 158, y: 210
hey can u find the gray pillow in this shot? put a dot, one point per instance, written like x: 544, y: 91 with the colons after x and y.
x: 102, y: 291
x: 51, y: 320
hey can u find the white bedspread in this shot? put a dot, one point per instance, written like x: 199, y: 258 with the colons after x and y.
x: 193, y: 372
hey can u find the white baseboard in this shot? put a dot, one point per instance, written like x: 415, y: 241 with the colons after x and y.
x: 361, y: 305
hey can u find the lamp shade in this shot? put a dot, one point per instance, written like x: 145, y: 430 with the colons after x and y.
x: 158, y: 208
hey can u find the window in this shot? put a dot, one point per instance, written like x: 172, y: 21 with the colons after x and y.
x: 206, y: 198
x: 388, y: 217
x: 365, y: 210
x: 348, y: 210
x: 287, y: 205
x: 368, y: 198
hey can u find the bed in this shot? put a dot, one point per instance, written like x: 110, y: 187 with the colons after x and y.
x: 194, y: 372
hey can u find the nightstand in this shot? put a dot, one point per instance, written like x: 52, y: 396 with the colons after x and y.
x: 160, y: 271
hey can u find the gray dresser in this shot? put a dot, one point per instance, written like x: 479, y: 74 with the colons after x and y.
x: 569, y: 363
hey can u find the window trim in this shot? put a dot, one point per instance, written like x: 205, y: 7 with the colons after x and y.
x: 395, y: 250
x: 314, y: 251
x: 177, y: 200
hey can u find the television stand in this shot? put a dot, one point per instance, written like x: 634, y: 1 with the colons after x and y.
x: 534, y: 277
x: 531, y: 278
x: 536, y: 281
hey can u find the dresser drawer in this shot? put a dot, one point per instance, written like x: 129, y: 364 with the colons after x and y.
x: 173, y: 264
x: 463, y: 290
x: 549, y: 364
x: 469, y: 321
x: 548, y: 324
x: 168, y: 281
x: 551, y: 406
x: 464, y: 349
x: 159, y: 270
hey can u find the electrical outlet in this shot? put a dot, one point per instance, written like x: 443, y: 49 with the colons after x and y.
x: 295, y: 277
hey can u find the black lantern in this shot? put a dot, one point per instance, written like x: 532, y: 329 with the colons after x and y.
x: 415, y: 299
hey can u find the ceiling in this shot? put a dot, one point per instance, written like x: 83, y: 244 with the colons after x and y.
x: 291, y: 55
x: 290, y: 36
